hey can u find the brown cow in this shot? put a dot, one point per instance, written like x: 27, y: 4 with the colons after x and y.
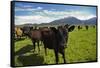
x: 35, y: 36
x: 18, y: 32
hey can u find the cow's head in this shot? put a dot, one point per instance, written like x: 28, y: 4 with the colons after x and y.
x: 69, y: 28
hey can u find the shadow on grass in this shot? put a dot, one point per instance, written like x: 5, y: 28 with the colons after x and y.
x: 30, y: 60
x: 24, y: 50
x: 19, y: 39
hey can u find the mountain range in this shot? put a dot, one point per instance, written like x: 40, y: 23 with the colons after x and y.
x: 67, y: 20
x: 75, y: 21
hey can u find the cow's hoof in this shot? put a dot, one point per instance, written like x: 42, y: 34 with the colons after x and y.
x: 56, y: 62
x: 64, y: 62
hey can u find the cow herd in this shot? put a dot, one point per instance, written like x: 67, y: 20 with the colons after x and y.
x: 51, y: 37
x: 86, y: 26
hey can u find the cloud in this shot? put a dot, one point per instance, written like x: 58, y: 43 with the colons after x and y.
x: 27, y: 8
x: 46, y: 16
x: 39, y: 8
x: 32, y: 19
x: 61, y: 14
x: 78, y: 14
x: 24, y: 9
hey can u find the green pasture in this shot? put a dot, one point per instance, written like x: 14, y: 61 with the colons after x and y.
x: 81, y: 48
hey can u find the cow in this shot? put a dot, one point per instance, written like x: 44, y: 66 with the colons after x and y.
x: 93, y: 26
x: 26, y: 30
x: 86, y: 27
x: 64, y: 32
x: 79, y: 27
x: 34, y: 35
x: 54, y: 39
x: 18, y: 32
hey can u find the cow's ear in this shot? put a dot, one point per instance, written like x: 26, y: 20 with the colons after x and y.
x: 71, y: 28
x: 67, y: 25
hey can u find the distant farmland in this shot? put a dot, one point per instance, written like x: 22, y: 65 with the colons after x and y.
x: 81, y: 48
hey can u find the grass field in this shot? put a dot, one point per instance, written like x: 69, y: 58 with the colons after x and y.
x: 81, y: 48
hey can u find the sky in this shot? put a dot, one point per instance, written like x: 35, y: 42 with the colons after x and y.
x: 37, y: 13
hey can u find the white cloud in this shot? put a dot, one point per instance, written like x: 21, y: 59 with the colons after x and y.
x: 32, y: 19
x: 46, y: 16
x: 61, y: 14
x: 27, y: 8
x: 24, y: 9
x: 39, y: 8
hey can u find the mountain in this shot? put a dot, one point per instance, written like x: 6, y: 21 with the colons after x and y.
x: 75, y: 21
x: 68, y: 20
x: 91, y: 21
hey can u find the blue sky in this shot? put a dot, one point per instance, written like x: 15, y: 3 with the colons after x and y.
x: 45, y: 13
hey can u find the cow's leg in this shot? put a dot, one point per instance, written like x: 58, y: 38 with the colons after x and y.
x: 45, y: 50
x: 63, y: 55
x: 17, y: 37
x: 41, y: 43
x: 66, y: 45
x: 34, y: 45
x: 20, y: 37
x: 56, y: 56
x: 38, y: 46
x: 26, y: 37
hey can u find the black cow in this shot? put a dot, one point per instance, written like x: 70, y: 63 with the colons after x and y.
x: 79, y: 27
x: 54, y: 39
x: 93, y: 26
x: 26, y: 30
x: 86, y: 27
